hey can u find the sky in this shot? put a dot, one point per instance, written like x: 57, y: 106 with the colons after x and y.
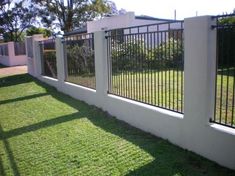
x: 184, y: 8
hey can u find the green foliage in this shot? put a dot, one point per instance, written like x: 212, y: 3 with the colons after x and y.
x: 137, y: 55
x: 34, y: 30
x: 81, y: 59
x: 8, y: 36
x: 15, y: 18
x: 70, y: 14
x: 226, y: 42
x: 168, y: 54
x: 128, y: 55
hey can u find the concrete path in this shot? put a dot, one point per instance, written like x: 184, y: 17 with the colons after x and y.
x: 13, y: 70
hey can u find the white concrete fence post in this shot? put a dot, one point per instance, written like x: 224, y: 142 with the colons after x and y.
x: 28, y: 46
x: 199, y: 69
x: 37, y: 59
x: 11, y: 52
x: 199, y: 91
x: 101, y: 66
x: 60, y: 60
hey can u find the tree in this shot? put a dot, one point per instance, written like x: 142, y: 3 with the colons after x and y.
x: 14, y: 20
x: 114, y: 10
x: 34, y: 30
x: 70, y: 14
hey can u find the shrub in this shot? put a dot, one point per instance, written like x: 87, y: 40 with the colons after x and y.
x: 80, y: 59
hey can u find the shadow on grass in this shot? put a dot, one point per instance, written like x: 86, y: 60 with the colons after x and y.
x: 15, y: 80
x: 168, y: 159
x: 39, y: 125
x: 9, y: 154
x: 23, y: 98
x: 2, y: 172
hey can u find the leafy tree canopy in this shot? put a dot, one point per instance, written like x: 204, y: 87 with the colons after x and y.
x: 34, y: 30
x: 15, y: 18
x: 70, y: 14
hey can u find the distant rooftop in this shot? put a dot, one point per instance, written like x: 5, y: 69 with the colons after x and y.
x: 83, y: 29
x: 80, y: 30
x: 146, y: 17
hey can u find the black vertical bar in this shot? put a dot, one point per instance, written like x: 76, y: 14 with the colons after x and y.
x: 169, y: 75
x: 165, y: 70
x: 148, y: 72
x: 222, y: 72
x: 158, y: 65
x: 162, y: 70
x: 115, y: 59
x: 125, y: 74
x: 142, y: 77
x: 156, y: 71
x: 173, y: 69
x: 182, y: 73
x: 227, y: 75
x: 131, y: 55
x: 151, y: 69
x: 233, y: 64
x: 177, y: 72
x: 119, y: 60
x: 136, y: 97
x: 145, y: 70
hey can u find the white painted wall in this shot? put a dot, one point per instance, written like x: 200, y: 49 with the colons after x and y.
x: 192, y: 130
x: 12, y: 59
x: 29, y: 44
x: 122, y: 21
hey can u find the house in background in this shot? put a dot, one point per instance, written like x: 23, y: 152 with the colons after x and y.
x: 122, y: 21
x: 129, y: 23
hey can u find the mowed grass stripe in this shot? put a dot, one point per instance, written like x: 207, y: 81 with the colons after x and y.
x: 44, y: 132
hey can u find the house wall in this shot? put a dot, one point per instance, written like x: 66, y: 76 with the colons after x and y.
x: 190, y: 130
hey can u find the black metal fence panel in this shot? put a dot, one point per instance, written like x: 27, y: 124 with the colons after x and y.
x: 80, y: 59
x: 4, y: 49
x: 225, y: 75
x: 48, y: 55
x: 146, y: 64
x: 19, y: 48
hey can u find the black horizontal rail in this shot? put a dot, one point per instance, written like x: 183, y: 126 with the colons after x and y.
x: 223, y: 26
x: 148, y: 26
x: 223, y: 16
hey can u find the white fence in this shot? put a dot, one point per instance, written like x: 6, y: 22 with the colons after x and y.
x: 191, y: 130
x: 9, y: 57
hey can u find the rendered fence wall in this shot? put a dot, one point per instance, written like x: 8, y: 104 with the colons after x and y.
x: 10, y: 58
x: 191, y: 130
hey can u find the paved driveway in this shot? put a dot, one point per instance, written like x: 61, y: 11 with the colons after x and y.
x: 13, y: 70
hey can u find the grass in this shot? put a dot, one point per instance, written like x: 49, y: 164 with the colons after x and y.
x: 164, y: 89
x: 44, y: 132
x: 86, y: 80
x: 159, y: 88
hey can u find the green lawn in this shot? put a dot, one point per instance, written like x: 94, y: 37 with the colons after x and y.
x: 164, y: 89
x: 44, y: 132
x: 160, y: 88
